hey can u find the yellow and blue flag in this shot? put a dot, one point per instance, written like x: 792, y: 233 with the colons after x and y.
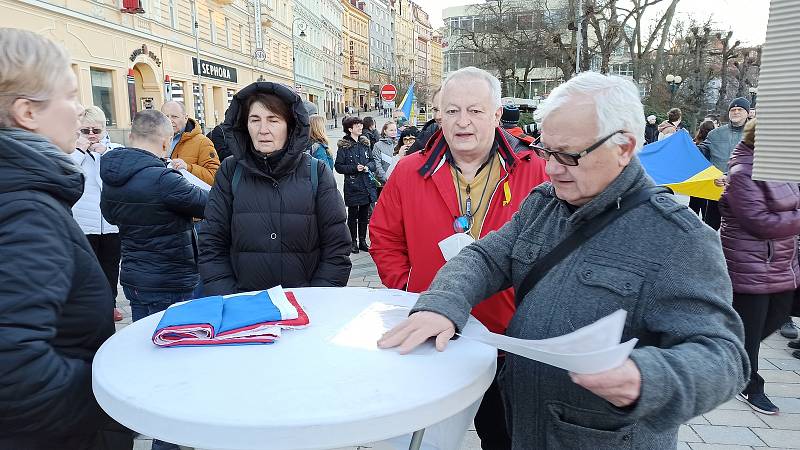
x: 407, y: 106
x: 677, y: 163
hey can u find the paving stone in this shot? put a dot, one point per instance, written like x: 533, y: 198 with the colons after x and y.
x: 358, y: 284
x: 734, y: 404
x: 712, y: 434
x: 779, y: 438
x: 699, y: 420
x: 773, y: 353
x: 782, y: 421
x: 779, y: 376
x: 765, y: 364
x: 687, y: 434
x: 701, y: 446
x: 787, y: 404
x: 785, y: 364
x: 377, y: 278
x: 781, y: 390
x: 732, y: 417
x: 376, y: 284
x: 683, y: 446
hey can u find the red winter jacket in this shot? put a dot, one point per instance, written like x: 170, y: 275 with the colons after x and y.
x: 760, y: 224
x: 416, y: 211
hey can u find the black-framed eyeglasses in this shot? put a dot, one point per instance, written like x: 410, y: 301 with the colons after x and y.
x: 91, y: 130
x: 569, y: 159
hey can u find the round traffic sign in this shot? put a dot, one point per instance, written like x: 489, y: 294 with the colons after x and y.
x: 388, y: 92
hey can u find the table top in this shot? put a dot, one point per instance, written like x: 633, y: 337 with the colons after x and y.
x: 321, y: 387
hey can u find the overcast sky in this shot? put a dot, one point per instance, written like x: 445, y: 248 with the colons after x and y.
x: 747, y: 18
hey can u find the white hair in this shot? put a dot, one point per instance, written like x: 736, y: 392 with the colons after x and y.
x: 476, y: 73
x: 616, y: 101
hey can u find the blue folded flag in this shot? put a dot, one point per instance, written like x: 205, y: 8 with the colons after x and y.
x: 248, y: 318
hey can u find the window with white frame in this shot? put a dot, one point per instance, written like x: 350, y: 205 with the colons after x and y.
x: 212, y: 23
x: 228, y: 41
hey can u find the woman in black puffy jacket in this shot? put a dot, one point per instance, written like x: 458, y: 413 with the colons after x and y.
x: 55, y: 302
x: 354, y: 161
x: 271, y: 217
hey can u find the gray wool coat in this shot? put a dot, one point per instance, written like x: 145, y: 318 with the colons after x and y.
x: 659, y: 263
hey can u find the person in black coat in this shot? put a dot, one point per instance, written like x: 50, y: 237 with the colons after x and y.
x: 55, y: 302
x: 266, y: 222
x: 217, y: 137
x: 370, y: 131
x: 153, y: 205
x: 354, y: 161
x: 650, y: 130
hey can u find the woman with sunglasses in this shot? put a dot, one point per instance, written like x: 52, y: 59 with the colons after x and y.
x: 55, y: 304
x: 93, y: 142
x: 406, y: 140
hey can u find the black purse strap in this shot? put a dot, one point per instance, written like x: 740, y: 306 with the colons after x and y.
x: 578, y: 237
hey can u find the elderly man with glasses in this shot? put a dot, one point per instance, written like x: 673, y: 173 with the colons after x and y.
x: 599, y: 237
x: 466, y: 182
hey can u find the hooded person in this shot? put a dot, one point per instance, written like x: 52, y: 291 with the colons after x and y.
x: 651, y: 130
x: 274, y: 215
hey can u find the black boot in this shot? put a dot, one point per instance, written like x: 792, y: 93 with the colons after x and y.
x: 363, y: 245
x: 354, y: 247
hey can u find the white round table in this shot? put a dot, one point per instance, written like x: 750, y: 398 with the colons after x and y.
x: 322, y: 387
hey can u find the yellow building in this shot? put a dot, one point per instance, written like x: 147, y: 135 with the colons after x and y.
x: 405, y: 48
x: 437, y: 62
x: 129, y: 62
x: 355, y: 32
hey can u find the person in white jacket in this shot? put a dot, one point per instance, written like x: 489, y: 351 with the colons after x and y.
x: 92, y: 143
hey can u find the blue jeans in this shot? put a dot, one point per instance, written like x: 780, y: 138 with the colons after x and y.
x: 144, y: 303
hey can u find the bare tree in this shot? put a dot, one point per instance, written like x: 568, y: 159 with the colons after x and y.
x: 726, y: 53
x: 747, y: 70
x: 647, y: 47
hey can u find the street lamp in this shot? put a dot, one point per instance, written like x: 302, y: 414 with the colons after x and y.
x: 753, y: 95
x: 294, y: 59
x: 674, y: 83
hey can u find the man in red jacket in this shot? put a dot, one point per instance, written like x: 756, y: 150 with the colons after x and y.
x: 467, y: 182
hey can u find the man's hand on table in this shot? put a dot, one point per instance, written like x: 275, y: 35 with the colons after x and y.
x: 621, y: 386
x: 418, y: 328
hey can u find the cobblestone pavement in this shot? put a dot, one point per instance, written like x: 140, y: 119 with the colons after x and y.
x: 732, y: 426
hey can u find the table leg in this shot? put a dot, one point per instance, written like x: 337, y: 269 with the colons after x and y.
x: 416, y: 440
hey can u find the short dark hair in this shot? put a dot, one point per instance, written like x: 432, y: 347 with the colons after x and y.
x: 271, y: 102
x: 674, y: 114
x: 369, y: 122
x: 348, y: 122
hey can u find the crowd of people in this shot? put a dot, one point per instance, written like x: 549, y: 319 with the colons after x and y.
x: 534, y: 235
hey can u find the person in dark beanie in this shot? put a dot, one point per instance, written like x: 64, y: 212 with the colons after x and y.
x: 354, y: 161
x: 509, y: 123
x: 717, y: 148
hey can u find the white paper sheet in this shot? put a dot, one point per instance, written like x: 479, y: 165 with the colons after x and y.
x: 194, y: 180
x: 592, y: 349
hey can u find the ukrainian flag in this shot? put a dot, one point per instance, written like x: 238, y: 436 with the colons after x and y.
x: 677, y: 163
x: 407, y: 106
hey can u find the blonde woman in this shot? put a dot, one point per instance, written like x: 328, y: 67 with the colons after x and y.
x: 55, y: 303
x: 320, y: 146
x: 92, y: 144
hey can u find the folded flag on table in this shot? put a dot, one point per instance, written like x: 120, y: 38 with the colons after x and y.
x: 677, y: 163
x: 247, y: 318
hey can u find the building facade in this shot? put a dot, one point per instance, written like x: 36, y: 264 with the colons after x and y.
x: 309, y: 35
x: 404, y: 50
x: 437, y: 68
x: 459, y: 20
x: 333, y: 56
x: 355, y: 27
x: 381, y: 45
x: 422, y: 43
x: 126, y: 63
